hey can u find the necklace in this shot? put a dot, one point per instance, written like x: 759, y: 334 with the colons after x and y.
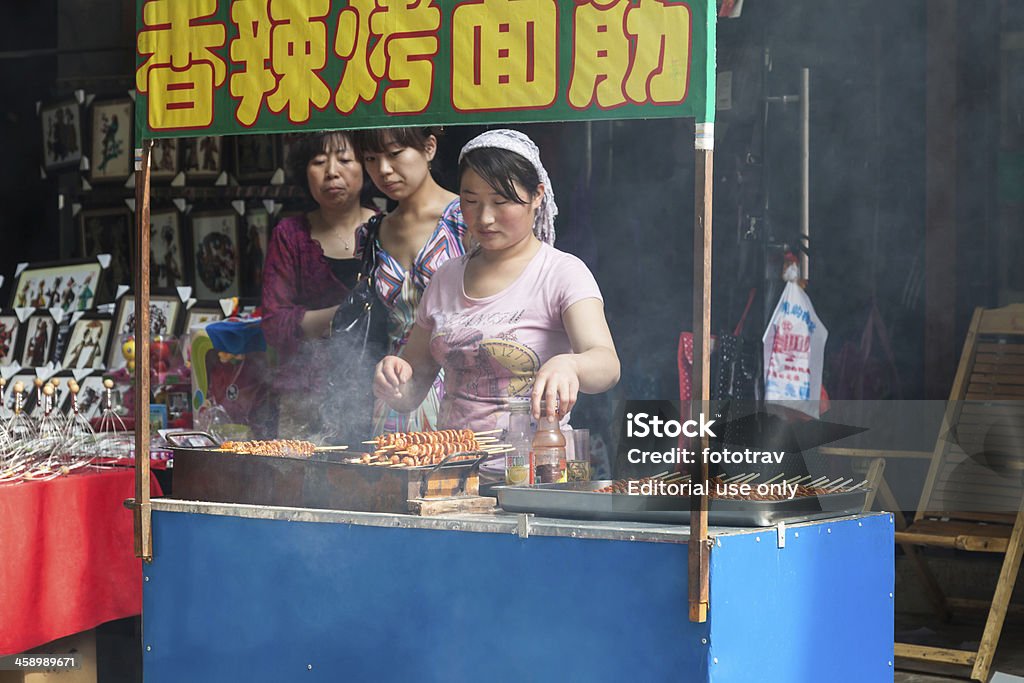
x: 346, y: 243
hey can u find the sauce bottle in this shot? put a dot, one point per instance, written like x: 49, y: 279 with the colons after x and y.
x: 548, y: 450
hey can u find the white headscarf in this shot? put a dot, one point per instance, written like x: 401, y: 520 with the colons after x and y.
x: 514, y: 141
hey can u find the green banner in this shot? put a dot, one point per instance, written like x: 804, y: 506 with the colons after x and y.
x: 226, y: 67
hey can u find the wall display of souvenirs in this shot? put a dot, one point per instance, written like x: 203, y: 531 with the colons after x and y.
x: 87, y: 345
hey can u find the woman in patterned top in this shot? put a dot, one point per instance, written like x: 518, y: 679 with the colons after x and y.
x: 425, y: 230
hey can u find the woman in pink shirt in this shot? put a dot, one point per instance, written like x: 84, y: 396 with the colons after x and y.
x: 514, y: 317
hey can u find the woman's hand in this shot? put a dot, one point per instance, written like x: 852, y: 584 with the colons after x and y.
x: 390, y: 377
x: 558, y: 384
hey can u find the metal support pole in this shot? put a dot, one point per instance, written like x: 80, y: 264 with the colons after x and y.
x: 805, y: 169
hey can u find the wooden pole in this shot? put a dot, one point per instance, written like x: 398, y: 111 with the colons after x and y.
x: 142, y: 511
x: 699, y: 548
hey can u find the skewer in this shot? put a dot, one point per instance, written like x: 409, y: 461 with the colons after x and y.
x: 733, y: 478
x: 660, y: 475
x: 331, y: 448
x: 490, y: 431
x: 845, y: 482
x: 857, y: 486
x: 835, y: 484
x: 503, y: 450
x: 780, y: 474
x: 820, y: 481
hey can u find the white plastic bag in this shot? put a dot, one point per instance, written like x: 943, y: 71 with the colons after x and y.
x: 794, y: 352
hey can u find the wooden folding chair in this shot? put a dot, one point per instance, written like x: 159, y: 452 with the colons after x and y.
x: 973, y: 498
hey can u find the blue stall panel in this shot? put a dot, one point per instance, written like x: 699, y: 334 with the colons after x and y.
x: 819, y: 609
x: 242, y: 599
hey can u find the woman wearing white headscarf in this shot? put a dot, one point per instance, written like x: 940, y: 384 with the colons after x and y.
x: 513, y: 318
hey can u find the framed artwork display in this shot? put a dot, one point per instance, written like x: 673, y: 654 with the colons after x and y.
x: 215, y: 255
x: 112, y: 152
x: 201, y: 157
x: 87, y: 345
x: 90, y: 397
x: 200, y: 315
x: 62, y: 134
x: 9, y: 327
x: 255, y: 157
x: 40, y: 334
x: 27, y: 379
x: 109, y: 231
x: 163, y: 318
x: 258, y: 225
x: 166, y: 251
x: 164, y: 160
x: 68, y: 285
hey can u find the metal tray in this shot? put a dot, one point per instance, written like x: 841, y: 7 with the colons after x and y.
x: 580, y: 500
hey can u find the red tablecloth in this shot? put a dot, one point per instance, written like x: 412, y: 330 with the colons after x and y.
x: 67, y: 558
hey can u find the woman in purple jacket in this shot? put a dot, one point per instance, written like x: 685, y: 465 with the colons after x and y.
x: 310, y: 269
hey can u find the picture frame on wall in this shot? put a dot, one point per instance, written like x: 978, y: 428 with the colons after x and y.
x: 62, y: 134
x: 90, y: 397
x: 112, y: 153
x: 258, y: 224
x: 109, y: 231
x: 68, y: 285
x: 215, y: 255
x: 26, y: 378
x: 165, y: 159
x: 164, y: 311
x: 88, y: 344
x: 9, y: 328
x: 255, y: 157
x: 166, y: 250
x: 201, y: 314
x: 202, y: 157
x: 38, y: 339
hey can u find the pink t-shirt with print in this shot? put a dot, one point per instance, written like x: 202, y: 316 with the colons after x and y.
x: 491, y: 348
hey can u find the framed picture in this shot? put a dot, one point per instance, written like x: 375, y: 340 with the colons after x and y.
x: 109, y: 231
x: 257, y: 233
x: 163, y: 318
x: 166, y: 251
x: 68, y: 285
x: 90, y: 397
x: 62, y: 134
x: 202, y: 157
x: 9, y: 327
x: 255, y: 157
x: 200, y: 315
x: 112, y: 152
x: 215, y: 257
x: 87, y: 345
x: 177, y: 403
x: 27, y: 379
x: 41, y: 332
x: 164, y: 159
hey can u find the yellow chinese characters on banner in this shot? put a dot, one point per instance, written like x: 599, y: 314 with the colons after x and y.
x: 181, y: 69
x: 368, y: 58
x: 504, y: 54
x: 647, y: 63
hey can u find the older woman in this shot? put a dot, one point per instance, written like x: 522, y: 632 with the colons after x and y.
x: 309, y: 270
x: 513, y: 318
x: 425, y: 230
